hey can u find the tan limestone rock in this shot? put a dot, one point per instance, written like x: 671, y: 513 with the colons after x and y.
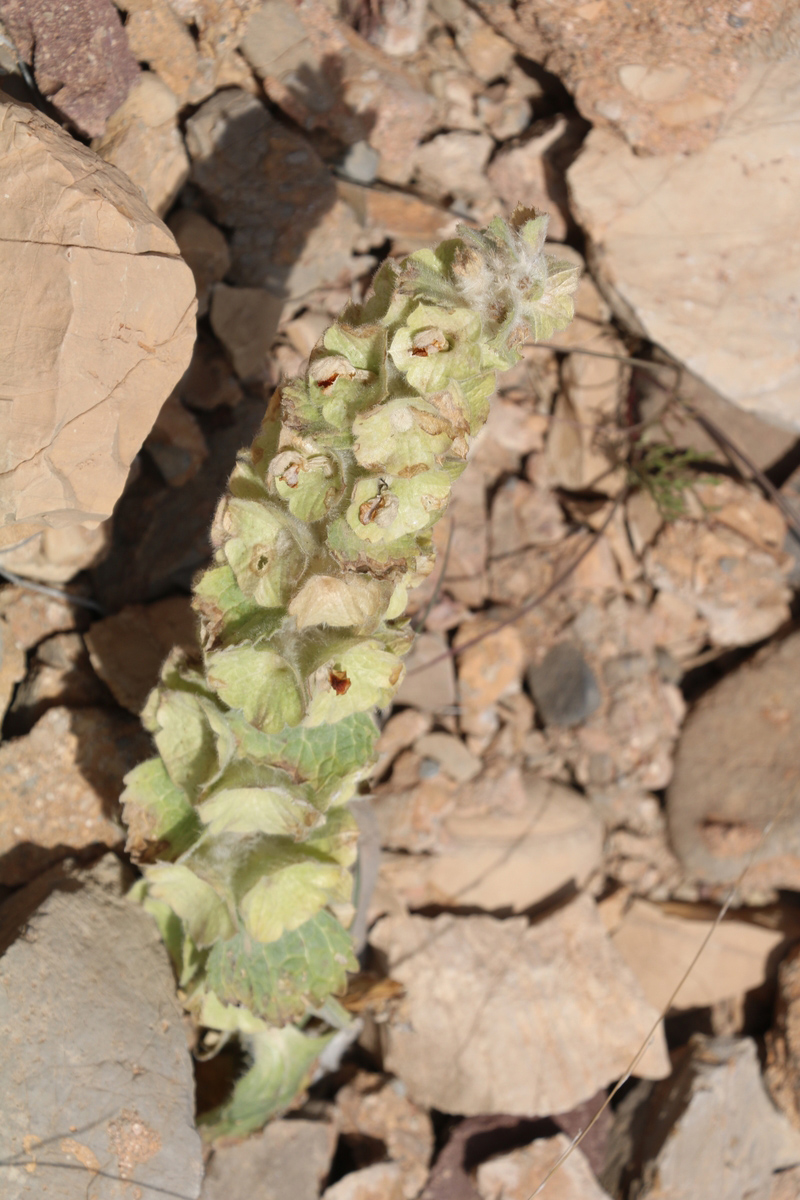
x: 517, y: 1175
x: 374, y: 1106
x: 142, y: 138
x: 203, y: 247
x: 12, y: 665
x: 245, y: 320
x: 98, y: 326
x: 60, y: 785
x: 656, y: 222
x: 503, y: 1016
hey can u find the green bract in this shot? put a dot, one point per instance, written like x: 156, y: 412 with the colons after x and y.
x: 241, y: 823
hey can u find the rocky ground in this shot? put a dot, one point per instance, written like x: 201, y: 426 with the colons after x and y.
x: 598, y: 730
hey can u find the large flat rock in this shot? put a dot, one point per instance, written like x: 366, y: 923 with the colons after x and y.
x: 95, y: 1074
x: 703, y: 249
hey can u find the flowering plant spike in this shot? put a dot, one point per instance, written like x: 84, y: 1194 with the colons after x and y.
x: 241, y: 823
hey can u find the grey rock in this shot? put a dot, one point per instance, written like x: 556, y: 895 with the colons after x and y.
x: 360, y: 163
x: 95, y: 1074
x: 564, y: 686
x: 711, y: 1130
x: 288, y: 1161
x: 736, y: 771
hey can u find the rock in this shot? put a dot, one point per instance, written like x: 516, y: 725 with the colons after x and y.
x: 176, y: 443
x: 564, y: 686
x: 585, y: 446
x: 725, y: 558
x: 59, y: 674
x: 691, y: 292
x: 286, y: 1161
x: 713, y: 1110
x: 32, y: 616
x: 460, y: 539
x: 451, y: 166
x: 668, y: 85
x: 517, y: 1175
x: 99, y: 326
x: 142, y: 138
x: 511, y: 431
x: 400, y: 731
x: 505, y: 116
x: 327, y: 77
x: 209, y: 381
x: 525, y: 521
x: 268, y: 185
x: 60, y: 786
x: 658, y: 946
x: 488, y: 55
x: 128, y: 648
x: 382, y: 1181
x: 782, y: 1072
x: 430, y: 688
x: 204, y: 248
x: 507, y: 845
x: 736, y: 771
x: 407, y: 220
x: 373, y: 1106
x: 360, y: 163
x: 529, y: 174
x: 410, y: 806
x: 500, y: 1016
x: 160, y: 39
x: 12, y: 664
x: 488, y: 672
x: 98, y: 1101
x: 451, y: 754
x: 245, y: 320
x: 80, y: 57
x: 400, y: 27
x: 55, y: 555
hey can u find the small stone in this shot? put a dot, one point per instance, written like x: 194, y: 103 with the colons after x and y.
x: 80, y: 55
x: 32, y: 617
x: 452, y: 165
x: 176, y: 443
x: 659, y: 946
x: 305, y: 331
x: 506, y: 116
x: 488, y: 672
x: 60, y: 787
x: 564, y: 686
x: 60, y: 673
x: 451, y: 754
x: 156, y: 36
x: 400, y: 28
x: 142, y: 138
x: 503, y: 1016
x: 713, y: 1110
x: 98, y: 1064
x: 245, y: 320
x: 517, y: 1175
x: 736, y: 772
x: 409, y: 221
x: 529, y: 174
x: 400, y: 731
x: 209, y: 382
x: 128, y: 648
x: 287, y: 1161
x: 360, y: 163
x: 725, y: 558
x: 204, y: 248
x: 374, y: 1106
x: 382, y: 1181
x: 488, y: 54
x: 525, y: 520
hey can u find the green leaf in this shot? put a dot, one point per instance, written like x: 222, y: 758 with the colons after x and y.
x: 185, y: 739
x: 227, y: 613
x: 271, y: 811
x: 263, y: 549
x: 360, y: 679
x: 283, y: 1060
x: 161, y: 822
x: 280, y: 981
x: 201, y: 909
x: 286, y: 898
x: 402, y: 436
x: 321, y: 758
x: 257, y: 681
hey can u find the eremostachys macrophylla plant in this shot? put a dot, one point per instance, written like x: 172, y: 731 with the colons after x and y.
x: 241, y: 823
